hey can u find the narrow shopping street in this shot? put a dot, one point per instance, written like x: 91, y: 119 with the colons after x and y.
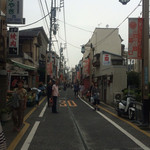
x: 76, y: 126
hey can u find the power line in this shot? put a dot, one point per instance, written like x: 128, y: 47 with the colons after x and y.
x: 33, y: 22
x: 76, y: 27
x: 69, y: 43
x: 40, y: 2
x: 65, y: 33
x: 100, y: 42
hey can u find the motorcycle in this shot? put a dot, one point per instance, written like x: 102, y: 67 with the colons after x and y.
x: 126, y: 107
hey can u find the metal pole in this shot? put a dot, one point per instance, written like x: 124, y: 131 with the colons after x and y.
x: 50, y: 32
x: 145, y: 61
x: 50, y: 41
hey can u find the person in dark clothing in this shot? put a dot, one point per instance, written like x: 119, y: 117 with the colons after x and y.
x: 49, y: 91
x: 76, y: 89
x: 91, y: 87
x: 65, y: 86
x: 96, y: 94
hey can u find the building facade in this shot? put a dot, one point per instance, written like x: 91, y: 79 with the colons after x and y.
x: 29, y: 64
x: 105, y: 63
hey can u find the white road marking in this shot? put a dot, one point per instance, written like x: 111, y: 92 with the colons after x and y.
x: 121, y: 129
x: 30, y: 136
x: 43, y: 110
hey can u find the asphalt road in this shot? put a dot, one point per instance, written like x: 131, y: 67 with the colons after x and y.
x: 77, y: 126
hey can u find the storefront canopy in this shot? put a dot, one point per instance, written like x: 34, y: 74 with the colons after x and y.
x: 18, y: 64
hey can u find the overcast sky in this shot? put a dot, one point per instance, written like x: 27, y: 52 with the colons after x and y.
x: 85, y: 14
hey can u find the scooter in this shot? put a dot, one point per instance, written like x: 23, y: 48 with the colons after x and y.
x: 126, y: 107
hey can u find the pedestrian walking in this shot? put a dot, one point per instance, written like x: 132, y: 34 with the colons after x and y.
x: 55, y: 94
x: 76, y: 89
x: 2, y: 139
x: 82, y: 88
x: 49, y: 92
x: 19, y: 105
x: 95, y: 94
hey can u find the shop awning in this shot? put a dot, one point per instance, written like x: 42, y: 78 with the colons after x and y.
x: 18, y: 64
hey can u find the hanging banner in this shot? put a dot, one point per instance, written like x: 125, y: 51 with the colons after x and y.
x: 13, y: 41
x: 15, y: 12
x: 86, y: 67
x: 78, y: 75
x: 106, y: 59
x: 50, y: 69
x: 135, y: 38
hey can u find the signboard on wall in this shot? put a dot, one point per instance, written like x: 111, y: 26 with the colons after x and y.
x: 135, y: 38
x: 106, y: 59
x: 15, y: 12
x: 13, y: 41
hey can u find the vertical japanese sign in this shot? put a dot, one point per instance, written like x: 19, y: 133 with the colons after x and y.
x: 13, y: 41
x: 106, y: 59
x: 50, y: 69
x: 135, y: 38
x: 14, y: 12
x: 86, y: 67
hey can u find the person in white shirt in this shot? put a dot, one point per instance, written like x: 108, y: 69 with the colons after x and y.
x: 55, y: 94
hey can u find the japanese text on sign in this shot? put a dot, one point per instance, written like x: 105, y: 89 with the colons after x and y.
x: 106, y: 59
x: 13, y: 41
x: 14, y: 11
x: 135, y: 38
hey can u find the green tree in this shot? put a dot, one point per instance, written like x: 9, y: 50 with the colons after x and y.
x: 133, y: 79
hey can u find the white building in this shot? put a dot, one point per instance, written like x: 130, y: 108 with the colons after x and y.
x: 111, y: 73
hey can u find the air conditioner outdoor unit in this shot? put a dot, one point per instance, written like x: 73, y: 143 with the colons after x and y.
x: 117, y: 96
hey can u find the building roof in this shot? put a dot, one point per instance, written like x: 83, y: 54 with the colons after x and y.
x: 111, y: 54
x: 33, y: 32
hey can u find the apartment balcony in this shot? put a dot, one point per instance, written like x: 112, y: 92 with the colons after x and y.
x: 96, y: 60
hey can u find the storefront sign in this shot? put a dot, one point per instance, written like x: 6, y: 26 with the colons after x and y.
x: 135, y: 38
x: 13, y: 41
x: 106, y: 59
x: 15, y: 12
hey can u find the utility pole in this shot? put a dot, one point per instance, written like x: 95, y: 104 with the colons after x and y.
x: 145, y: 61
x: 52, y: 20
x: 3, y: 48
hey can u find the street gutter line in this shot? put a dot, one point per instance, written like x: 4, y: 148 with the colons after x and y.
x: 121, y: 129
x: 125, y: 132
x: 43, y: 111
x: 19, y: 136
x: 128, y: 122
x: 13, y: 144
x: 30, y: 136
x: 77, y: 126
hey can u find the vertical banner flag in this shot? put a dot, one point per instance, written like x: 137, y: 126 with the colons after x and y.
x: 50, y: 69
x: 135, y: 38
x: 106, y: 59
x: 15, y: 12
x: 13, y: 41
x: 86, y: 67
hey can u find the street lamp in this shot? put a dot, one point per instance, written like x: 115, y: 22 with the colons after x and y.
x: 124, y: 2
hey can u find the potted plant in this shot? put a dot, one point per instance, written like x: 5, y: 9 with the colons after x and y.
x: 6, y: 110
x: 6, y: 113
